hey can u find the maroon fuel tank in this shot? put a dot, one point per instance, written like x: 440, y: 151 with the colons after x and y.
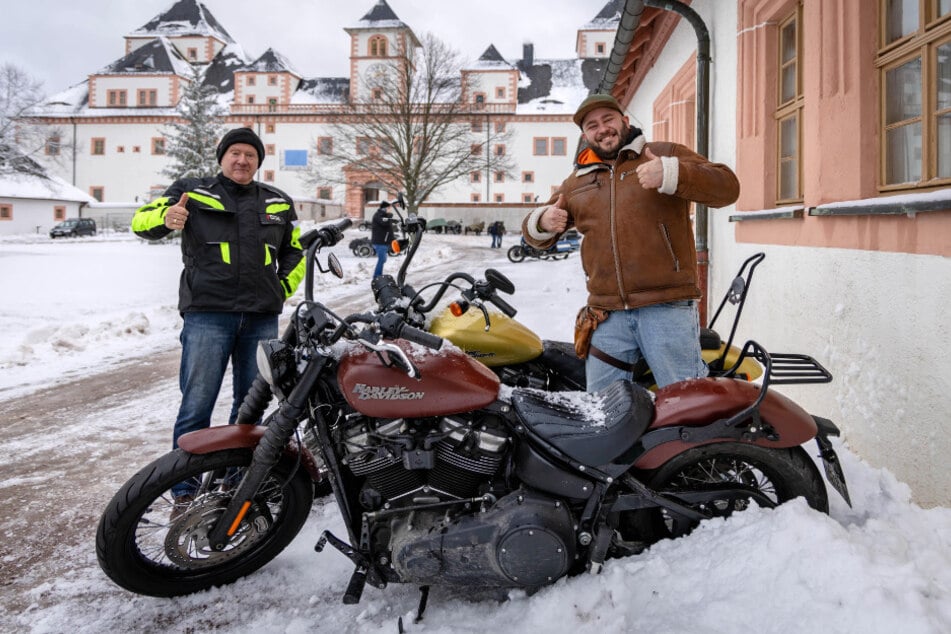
x: 698, y: 402
x: 450, y: 382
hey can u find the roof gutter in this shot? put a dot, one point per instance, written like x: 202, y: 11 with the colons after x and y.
x: 630, y: 18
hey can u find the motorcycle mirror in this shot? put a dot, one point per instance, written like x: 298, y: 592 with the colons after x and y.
x: 400, y: 201
x: 499, y: 281
x: 333, y: 266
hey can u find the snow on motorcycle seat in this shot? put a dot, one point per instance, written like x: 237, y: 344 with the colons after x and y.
x: 593, y: 429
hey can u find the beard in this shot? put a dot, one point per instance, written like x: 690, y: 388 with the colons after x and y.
x: 626, y: 136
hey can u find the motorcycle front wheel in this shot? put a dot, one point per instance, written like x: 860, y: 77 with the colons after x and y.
x: 516, y: 254
x: 150, y: 545
x: 772, y: 476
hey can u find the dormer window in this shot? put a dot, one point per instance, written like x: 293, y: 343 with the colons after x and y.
x: 599, y: 48
x: 272, y: 80
x: 192, y: 54
x: 377, y: 46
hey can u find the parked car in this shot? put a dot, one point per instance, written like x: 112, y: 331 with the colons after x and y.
x: 72, y: 227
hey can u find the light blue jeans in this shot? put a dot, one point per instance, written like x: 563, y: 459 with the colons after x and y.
x: 666, y: 335
x: 382, y: 250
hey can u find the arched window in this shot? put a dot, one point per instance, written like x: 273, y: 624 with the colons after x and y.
x: 377, y: 46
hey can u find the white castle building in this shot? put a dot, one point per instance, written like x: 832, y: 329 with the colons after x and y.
x: 115, y: 118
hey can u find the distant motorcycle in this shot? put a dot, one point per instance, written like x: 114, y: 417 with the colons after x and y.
x: 559, y: 251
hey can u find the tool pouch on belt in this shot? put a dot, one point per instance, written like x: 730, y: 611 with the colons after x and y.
x: 585, y: 323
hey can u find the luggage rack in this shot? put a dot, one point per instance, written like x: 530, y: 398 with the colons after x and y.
x: 780, y: 368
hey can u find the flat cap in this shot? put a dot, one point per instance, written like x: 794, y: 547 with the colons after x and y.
x: 593, y: 102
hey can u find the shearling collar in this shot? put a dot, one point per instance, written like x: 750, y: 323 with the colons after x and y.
x: 588, y: 161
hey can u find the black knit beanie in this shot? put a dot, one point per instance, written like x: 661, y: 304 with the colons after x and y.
x: 240, y: 135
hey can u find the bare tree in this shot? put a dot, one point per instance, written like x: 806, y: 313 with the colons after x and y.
x: 409, y: 129
x: 20, y: 140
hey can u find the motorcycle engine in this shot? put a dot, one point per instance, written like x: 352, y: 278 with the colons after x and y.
x: 525, y: 540
x: 417, y: 461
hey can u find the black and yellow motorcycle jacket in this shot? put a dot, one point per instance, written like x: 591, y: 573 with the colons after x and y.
x: 240, y: 245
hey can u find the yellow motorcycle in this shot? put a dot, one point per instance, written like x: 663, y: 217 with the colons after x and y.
x: 514, y: 352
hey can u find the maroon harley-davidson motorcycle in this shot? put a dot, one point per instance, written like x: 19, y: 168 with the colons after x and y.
x: 443, y: 476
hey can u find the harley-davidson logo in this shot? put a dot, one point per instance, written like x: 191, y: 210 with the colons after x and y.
x: 366, y: 392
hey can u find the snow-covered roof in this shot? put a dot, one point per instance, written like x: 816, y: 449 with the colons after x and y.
x: 29, y: 186
x: 608, y: 17
x: 271, y: 62
x: 491, y: 59
x: 380, y: 16
x: 185, y: 17
x: 549, y: 86
x: 157, y: 56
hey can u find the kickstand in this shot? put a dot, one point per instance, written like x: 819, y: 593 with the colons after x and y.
x: 423, y: 597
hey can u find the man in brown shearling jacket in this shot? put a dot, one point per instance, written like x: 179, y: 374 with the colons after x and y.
x: 630, y: 199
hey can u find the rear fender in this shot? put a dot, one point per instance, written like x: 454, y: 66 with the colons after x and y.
x: 223, y: 437
x: 699, y: 402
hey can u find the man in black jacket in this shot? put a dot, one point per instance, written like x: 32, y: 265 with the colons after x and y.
x: 242, y: 258
x: 381, y: 235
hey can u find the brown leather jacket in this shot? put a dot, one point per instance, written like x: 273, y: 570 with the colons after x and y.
x: 638, y: 246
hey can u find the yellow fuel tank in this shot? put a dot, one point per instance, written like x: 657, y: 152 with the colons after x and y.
x: 507, y: 341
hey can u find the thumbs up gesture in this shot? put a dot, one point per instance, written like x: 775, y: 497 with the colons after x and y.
x: 177, y: 214
x: 555, y: 218
x: 651, y: 172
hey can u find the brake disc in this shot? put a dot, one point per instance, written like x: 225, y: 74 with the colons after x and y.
x: 186, y: 543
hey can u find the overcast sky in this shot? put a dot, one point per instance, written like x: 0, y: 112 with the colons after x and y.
x: 59, y: 42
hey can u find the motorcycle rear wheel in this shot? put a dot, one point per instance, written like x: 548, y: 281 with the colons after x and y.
x: 516, y: 254
x: 148, y: 546
x: 779, y: 474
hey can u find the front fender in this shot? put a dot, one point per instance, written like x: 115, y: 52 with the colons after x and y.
x: 223, y: 437
x: 699, y: 402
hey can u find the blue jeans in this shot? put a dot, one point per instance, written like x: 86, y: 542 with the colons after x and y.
x: 209, y: 340
x: 382, y: 250
x: 666, y: 335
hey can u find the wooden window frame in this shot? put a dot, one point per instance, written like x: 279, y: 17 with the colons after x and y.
x: 97, y: 189
x: 325, y: 145
x: 475, y: 177
x: 157, y: 146
x: 6, y: 211
x: 52, y: 145
x: 789, y: 110
x: 269, y: 176
x: 933, y: 32
x: 117, y: 98
x: 535, y: 146
x: 377, y: 46
x: 97, y: 146
x: 564, y: 146
x: 147, y: 97
x: 528, y: 177
x: 59, y: 213
x: 328, y: 190
x: 475, y: 198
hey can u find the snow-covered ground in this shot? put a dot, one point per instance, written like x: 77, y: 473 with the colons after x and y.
x: 75, y: 307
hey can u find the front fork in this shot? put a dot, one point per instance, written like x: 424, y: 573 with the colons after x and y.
x: 280, y: 428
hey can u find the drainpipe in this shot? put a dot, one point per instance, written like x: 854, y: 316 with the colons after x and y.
x: 703, y: 134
